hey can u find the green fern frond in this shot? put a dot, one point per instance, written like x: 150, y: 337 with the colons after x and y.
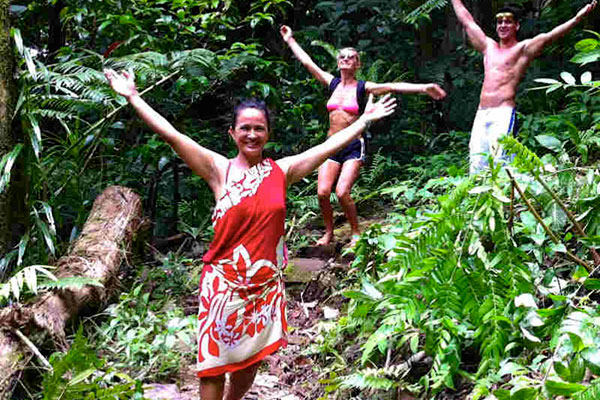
x: 368, y: 379
x: 193, y: 58
x: 592, y: 392
x: 26, y: 277
x: 524, y: 158
x: 451, y: 203
x: 424, y: 10
x: 71, y: 282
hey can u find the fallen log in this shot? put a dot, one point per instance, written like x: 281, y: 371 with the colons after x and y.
x: 97, y: 253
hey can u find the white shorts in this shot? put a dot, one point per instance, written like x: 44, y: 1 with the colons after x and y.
x: 490, y: 125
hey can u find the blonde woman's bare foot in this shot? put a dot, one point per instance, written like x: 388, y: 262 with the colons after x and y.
x: 325, y: 239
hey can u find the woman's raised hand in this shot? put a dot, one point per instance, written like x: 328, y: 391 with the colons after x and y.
x: 286, y: 32
x: 123, y: 83
x: 382, y: 108
x: 435, y: 91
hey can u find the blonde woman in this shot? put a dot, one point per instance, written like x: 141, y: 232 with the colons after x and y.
x: 346, y: 102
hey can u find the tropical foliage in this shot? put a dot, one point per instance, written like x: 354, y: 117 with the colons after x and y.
x: 487, y: 281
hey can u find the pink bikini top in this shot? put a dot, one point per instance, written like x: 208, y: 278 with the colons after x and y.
x: 344, y: 99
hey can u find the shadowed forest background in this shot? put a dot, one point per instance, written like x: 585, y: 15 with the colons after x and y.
x: 490, y: 279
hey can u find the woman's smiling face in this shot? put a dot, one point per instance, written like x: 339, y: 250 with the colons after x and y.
x: 250, y: 132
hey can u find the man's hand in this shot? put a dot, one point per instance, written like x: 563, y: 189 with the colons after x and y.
x: 286, y: 32
x: 587, y: 9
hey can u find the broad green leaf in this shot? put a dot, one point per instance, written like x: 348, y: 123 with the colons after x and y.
x: 526, y: 393
x: 568, y: 78
x: 592, y: 355
x: 559, y: 217
x: 510, y: 368
x: 586, y: 58
x: 14, y: 285
x: 31, y: 278
x: 480, y: 189
x: 586, y: 77
x: 577, y: 369
x: 547, y: 81
x: 530, y: 336
x: 44, y: 270
x: 550, y: 142
x: 502, y: 394
x: 576, y: 340
x: 80, y: 377
x: 370, y: 290
x: 557, y: 248
x: 525, y: 300
x: 35, y: 135
x: 45, y: 233
x: 16, y: 34
x: 356, y: 295
x: 414, y: 343
x: 580, y: 273
x: 556, y: 388
x: 6, y: 164
x: 21, y: 248
x: 562, y: 371
x: 592, y: 284
x: 587, y: 45
x: 30, y: 64
x: 49, y: 216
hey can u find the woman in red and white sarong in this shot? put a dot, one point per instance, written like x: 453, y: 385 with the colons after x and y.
x: 242, y: 303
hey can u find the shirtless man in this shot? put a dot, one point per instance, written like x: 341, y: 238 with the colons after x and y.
x: 504, y: 63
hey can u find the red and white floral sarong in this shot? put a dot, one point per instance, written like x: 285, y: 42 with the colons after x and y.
x: 242, y: 301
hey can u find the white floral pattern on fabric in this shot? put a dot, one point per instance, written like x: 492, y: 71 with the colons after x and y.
x: 245, y: 187
x: 247, y: 318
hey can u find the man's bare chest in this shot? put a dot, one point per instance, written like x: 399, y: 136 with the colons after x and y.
x: 504, y: 60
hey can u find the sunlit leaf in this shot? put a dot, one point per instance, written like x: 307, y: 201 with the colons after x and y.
x: 568, y: 78
x: 586, y: 77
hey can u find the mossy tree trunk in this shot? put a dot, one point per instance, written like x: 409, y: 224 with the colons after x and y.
x: 6, y: 109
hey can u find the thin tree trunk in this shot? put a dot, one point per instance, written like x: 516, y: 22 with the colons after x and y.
x: 56, y: 35
x: 97, y: 253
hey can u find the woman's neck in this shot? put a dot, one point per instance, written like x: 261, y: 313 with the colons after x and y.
x: 245, y: 162
x: 348, y: 77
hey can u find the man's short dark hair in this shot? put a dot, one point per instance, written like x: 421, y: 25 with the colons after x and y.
x: 511, y: 8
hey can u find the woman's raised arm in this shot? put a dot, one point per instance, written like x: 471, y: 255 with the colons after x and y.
x: 205, y: 163
x: 433, y: 90
x: 298, y: 166
x: 288, y: 36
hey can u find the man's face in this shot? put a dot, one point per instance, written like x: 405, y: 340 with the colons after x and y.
x: 506, y: 26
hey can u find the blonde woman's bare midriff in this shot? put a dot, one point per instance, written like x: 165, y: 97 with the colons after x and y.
x: 340, y: 119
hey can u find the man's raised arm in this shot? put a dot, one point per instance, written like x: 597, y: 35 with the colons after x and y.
x: 534, y: 46
x: 474, y: 32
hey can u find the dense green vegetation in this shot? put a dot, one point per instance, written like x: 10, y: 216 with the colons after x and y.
x: 492, y: 276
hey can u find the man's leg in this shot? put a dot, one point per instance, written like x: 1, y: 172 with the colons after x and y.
x: 504, y: 121
x: 478, y: 144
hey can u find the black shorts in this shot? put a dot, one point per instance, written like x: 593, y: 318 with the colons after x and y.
x: 354, y: 151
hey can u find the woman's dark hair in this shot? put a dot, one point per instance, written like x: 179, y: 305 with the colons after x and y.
x: 252, y: 103
x: 511, y: 8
